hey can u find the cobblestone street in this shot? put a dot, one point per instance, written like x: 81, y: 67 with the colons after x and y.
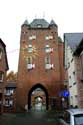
x: 30, y: 118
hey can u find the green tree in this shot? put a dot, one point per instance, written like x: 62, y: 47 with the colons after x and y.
x: 11, y: 76
x: 59, y: 39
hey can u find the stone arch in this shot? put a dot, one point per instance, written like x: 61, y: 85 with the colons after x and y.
x: 38, y: 85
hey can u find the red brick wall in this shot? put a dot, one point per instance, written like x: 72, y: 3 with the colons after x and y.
x: 52, y: 80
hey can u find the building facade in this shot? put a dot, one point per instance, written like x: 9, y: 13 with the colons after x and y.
x: 72, y: 65
x: 78, y: 53
x: 9, y: 100
x: 3, y: 70
x: 40, y: 64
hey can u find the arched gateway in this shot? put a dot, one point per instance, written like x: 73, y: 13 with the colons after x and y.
x: 38, y: 94
x: 41, y: 62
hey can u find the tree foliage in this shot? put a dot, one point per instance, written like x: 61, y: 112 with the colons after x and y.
x: 59, y: 39
x: 11, y: 76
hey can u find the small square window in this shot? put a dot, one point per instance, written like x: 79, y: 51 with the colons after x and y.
x: 74, y: 73
x: 74, y: 83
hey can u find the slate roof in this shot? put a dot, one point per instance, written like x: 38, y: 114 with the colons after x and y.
x: 39, y: 24
x: 73, y: 39
x: 36, y: 22
x: 79, y: 48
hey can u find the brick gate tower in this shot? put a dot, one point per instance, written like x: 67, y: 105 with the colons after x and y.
x: 40, y: 64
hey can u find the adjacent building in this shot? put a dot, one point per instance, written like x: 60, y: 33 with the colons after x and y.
x: 72, y: 65
x: 9, y: 101
x: 40, y: 64
x: 3, y: 69
x: 78, y: 53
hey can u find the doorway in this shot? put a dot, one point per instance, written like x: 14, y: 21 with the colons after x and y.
x: 38, y: 98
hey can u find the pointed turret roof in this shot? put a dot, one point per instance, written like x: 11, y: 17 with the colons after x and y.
x: 53, y: 23
x: 26, y: 22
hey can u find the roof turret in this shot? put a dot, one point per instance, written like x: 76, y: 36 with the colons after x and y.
x: 25, y: 22
x: 53, y: 23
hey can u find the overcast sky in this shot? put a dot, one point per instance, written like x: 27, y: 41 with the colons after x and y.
x: 68, y: 15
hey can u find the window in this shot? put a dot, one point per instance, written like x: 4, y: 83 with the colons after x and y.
x: 48, y: 37
x: 29, y: 60
x: 73, y: 72
x: 47, y: 60
x: 9, y: 92
x: 47, y: 48
x: 48, y: 64
x: 68, y: 65
x: 74, y: 77
x: 74, y: 83
x: 32, y: 37
x: 1, y: 52
x: 71, y: 60
x: 39, y: 25
x: 29, y: 63
x: 1, y: 76
x: 30, y: 49
x: 8, y: 102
